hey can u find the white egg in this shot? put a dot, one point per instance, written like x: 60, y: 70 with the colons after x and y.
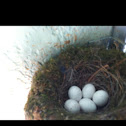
x: 87, y: 105
x: 100, y: 97
x: 72, y: 106
x: 75, y: 93
x: 88, y: 91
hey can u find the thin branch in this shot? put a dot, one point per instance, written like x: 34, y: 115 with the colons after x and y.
x: 97, y: 72
x: 117, y: 64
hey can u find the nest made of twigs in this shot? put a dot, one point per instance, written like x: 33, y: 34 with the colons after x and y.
x: 78, y: 66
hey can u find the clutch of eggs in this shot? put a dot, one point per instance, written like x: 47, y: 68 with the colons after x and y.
x: 87, y: 100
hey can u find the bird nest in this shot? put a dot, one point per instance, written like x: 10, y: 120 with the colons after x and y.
x: 78, y: 65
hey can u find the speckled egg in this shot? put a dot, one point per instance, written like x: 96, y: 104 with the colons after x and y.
x: 88, y: 91
x: 87, y: 105
x: 72, y: 106
x: 75, y: 93
x: 100, y: 98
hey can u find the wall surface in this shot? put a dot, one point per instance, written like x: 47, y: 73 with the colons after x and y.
x: 119, y: 32
x: 24, y: 48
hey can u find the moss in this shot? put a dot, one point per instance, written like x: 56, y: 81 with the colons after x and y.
x: 47, y: 81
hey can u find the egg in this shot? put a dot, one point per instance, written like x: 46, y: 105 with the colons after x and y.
x: 75, y: 93
x: 100, y: 98
x: 88, y: 91
x: 87, y: 105
x: 72, y: 106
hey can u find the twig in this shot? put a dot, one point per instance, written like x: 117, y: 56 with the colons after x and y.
x: 118, y: 75
x: 117, y: 64
x: 71, y: 75
x: 97, y: 72
x: 111, y: 74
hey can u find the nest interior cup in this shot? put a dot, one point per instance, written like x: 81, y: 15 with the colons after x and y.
x: 78, y: 65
